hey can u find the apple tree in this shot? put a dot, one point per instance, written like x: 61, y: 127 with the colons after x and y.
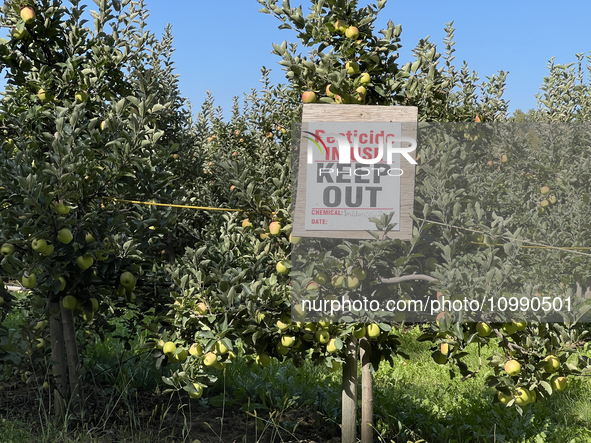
x: 89, y: 118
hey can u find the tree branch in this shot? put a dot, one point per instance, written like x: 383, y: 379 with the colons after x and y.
x: 409, y: 277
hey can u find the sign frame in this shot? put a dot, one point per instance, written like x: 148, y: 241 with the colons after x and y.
x: 406, y: 115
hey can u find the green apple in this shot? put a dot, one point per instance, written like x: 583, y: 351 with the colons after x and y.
x: 48, y: 250
x: 61, y: 208
x: 331, y: 346
x: 46, y: 385
x: 70, y: 302
x: 85, y: 261
x: 340, y: 26
x: 544, y: 203
x: 335, y: 366
x: 182, y: 356
x: 352, y: 32
x: 65, y: 236
x: 512, y: 367
x: 1, y: 301
x: 89, y: 238
x: 504, y: 398
x: 263, y: 360
x: 359, y: 331
x: 281, y: 349
x: 281, y: 268
x: 360, y: 273
x: 312, y: 286
x: 88, y: 316
x: 95, y: 304
x: 63, y: 283
x: 41, y: 344
x: 322, y: 336
x: 483, y: 329
x: 219, y: 365
x: 28, y: 15
x: 558, y: 383
x: 373, y: 330
x: 7, y: 249
x: 198, y: 391
x: 40, y: 325
x: 352, y: 67
x: 321, y: 278
x: 127, y: 280
x: 29, y: 282
x: 510, y: 328
x: 309, y: 97
x: 102, y: 256
x: 275, y: 228
x: 38, y: 245
x: 551, y: 364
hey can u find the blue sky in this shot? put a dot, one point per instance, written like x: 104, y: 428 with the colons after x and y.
x: 221, y: 45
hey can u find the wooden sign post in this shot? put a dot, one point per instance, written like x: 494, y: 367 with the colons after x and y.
x: 355, y: 162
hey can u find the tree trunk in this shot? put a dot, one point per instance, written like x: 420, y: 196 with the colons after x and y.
x: 366, y: 392
x: 75, y: 379
x: 61, y: 391
x: 349, y: 398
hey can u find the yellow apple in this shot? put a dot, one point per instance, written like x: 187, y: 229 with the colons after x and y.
x: 510, y: 328
x: 551, y: 364
x: 169, y: 348
x: 282, y: 326
x: 483, y: 329
x: 331, y: 347
x: 309, y: 97
x: 28, y: 15
x: 558, y: 383
x: 281, y: 268
x: 444, y: 348
x: 246, y: 223
x: 198, y: 391
x: 89, y: 238
x: 295, y: 240
x: 44, y: 96
x: 352, y: 32
x: 288, y: 341
x: 364, y: 78
x: 196, y: 349
x: 210, y: 359
x: 352, y: 67
x: 281, y: 349
x: 275, y: 228
x: 373, y: 330
x: 504, y: 398
x: 512, y: 367
x: 81, y: 96
x: 21, y: 35
x: 201, y: 308
x: 340, y: 26
x: 331, y: 91
x: 545, y: 190
x: 522, y: 396
x: 221, y: 348
x: 352, y: 282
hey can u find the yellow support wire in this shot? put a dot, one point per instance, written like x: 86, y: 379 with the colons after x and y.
x: 205, y: 208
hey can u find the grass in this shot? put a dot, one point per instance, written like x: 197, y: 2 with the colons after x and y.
x: 415, y: 400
